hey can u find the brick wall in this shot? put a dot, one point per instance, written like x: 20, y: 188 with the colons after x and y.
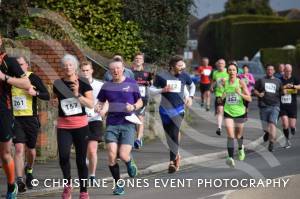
x: 45, y: 57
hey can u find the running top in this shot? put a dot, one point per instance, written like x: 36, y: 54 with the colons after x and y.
x: 9, y: 66
x: 143, y: 78
x: 205, y: 74
x: 289, y: 99
x: 118, y: 95
x: 234, y: 105
x: 92, y: 115
x: 25, y: 104
x: 272, y: 89
x: 175, y: 98
x: 217, y: 77
x: 69, y: 104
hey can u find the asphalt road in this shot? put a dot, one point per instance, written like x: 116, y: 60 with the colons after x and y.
x: 213, y: 179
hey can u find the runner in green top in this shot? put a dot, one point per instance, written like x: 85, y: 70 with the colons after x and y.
x: 218, y: 78
x: 235, y: 92
x: 234, y: 105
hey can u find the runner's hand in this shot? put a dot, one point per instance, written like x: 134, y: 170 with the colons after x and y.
x: 98, y: 108
x: 2, y: 76
x: 289, y: 86
x: 188, y: 101
x: 75, y: 87
x: 261, y: 94
x: 166, y: 89
x: 129, y: 107
x: 31, y: 91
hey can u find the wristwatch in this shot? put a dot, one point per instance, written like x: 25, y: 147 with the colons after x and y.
x: 6, y: 77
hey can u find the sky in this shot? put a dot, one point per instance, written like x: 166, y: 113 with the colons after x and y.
x: 205, y: 7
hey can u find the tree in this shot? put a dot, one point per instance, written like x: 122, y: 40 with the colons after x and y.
x: 11, y: 11
x: 163, y: 25
x: 255, y: 7
x: 99, y: 23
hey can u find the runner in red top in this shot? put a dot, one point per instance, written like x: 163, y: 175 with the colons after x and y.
x: 205, y: 74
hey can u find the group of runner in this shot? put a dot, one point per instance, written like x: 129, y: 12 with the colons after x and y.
x: 277, y: 98
x: 84, y: 101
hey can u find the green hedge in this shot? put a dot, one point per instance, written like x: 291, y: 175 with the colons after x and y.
x: 226, y: 38
x: 247, y: 38
x: 278, y: 55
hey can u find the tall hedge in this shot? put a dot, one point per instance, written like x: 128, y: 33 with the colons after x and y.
x: 233, y: 7
x: 163, y: 25
x: 278, y: 55
x: 248, y: 38
x: 216, y: 39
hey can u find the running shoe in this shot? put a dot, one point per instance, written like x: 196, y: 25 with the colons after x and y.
x: 67, y: 193
x: 241, y: 154
x: 219, y: 132
x: 293, y: 132
x: 207, y: 108
x: 21, y: 186
x: 271, y: 147
x: 230, y: 162
x: 202, y: 104
x: 266, y: 137
x: 132, y: 169
x: 287, y: 144
x: 29, y: 177
x: 172, y: 167
x: 138, y: 143
x: 119, y: 190
x: 177, y: 162
x: 84, y: 195
x: 12, y: 195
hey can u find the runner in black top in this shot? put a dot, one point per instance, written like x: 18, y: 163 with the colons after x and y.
x: 73, y: 94
x: 144, y: 80
x: 27, y: 124
x: 10, y: 74
x: 288, y: 103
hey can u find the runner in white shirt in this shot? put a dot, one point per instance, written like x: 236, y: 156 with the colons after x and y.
x: 94, y: 119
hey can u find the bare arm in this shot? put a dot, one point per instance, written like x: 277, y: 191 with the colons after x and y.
x: 136, y: 106
x: 245, y: 93
x: 22, y: 82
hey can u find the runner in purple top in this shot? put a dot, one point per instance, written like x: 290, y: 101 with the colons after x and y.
x: 119, y: 95
x: 123, y: 97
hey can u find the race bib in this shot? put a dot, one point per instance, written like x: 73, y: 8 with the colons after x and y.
x: 142, y: 91
x: 286, y: 99
x: 19, y: 102
x: 270, y: 87
x: 175, y: 85
x: 206, y: 72
x: 71, y: 106
x: 232, y: 98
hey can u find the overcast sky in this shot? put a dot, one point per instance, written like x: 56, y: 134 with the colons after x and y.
x: 205, y: 7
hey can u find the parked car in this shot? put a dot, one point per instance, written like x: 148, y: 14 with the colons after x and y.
x: 255, y: 68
